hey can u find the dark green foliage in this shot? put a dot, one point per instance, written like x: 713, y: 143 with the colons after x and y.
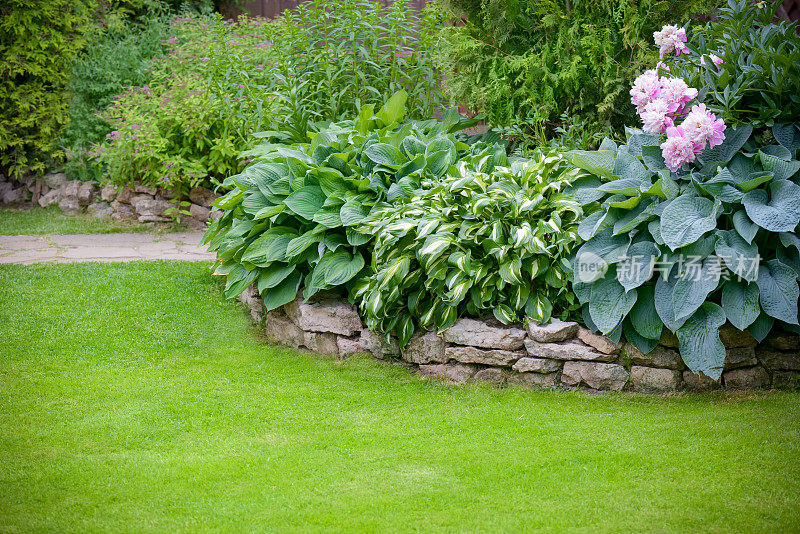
x: 38, y: 39
x: 524, y: 62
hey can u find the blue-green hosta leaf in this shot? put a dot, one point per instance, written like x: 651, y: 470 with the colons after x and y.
x: 600, y: 162
x: 306, y: 201
x: 609, y: 247
x: 273, y: 275
x: 585, y: 190
x: 539, y: 308
x: 328, y: 217
x: 740, y: 303
x: 385, y: 154
x: 735, y: 138
x: 238, y: 280
x: 343, y: 266
x: 665, y: 188
x: 693, y: 285
x: 741, y: 257
x: 609, y: 302
x: 778, y: 213
x: 595, y: 222
x: 644, y: 317
x: 755, y: 180
x: 747, y: 229
x: 686, y: 219
x: 787, y: 135
x: 663, y: 301
x: 283, y: 293
x: 761, y: 327
x: 653, y: 159
x: 637, y: 267
x: 779, y: 291
x: 303, y: 241
x: 633, y: 218
x: 629, y: 187
x: 700, y: 346
x: 270, y: 246
x: 637, y: 340
x: 654, y: 227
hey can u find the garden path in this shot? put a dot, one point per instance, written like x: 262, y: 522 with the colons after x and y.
x: 26, y: 249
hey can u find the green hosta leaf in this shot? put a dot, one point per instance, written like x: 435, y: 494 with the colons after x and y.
x: 504, y: 314
x: 306, y: 202
x: 302, y: 242
x: 779, y: 291
x: 644, y: 317
x: 343, y: 266
x: 404, y: 329
x: 328, y: 217
x: 352, y: 212
x: 694, y: 284
x: 238, y: 280
x: 778, y: 213
x: 740, y: 303
x: 747, y: 229
x: 686, y: 218
x: 700, y: 346
x: 355, y: 238
x: 599, y: 162
x: 273, y: 275
x: 438, y: 162
x: 511, y: 271
x: 539, y: 308
x: 283, y: 293
x: 270, y: 246
x: 442, y: 144
x: 385, y: 154
x: 609, y: 302
x: 740, y: 257
x: 394, y: 109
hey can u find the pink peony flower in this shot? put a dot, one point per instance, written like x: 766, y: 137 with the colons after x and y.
x: 656, y: 116
x: 702, y: 126
x: 646, y: 88
x: 670, y: 39
x: 676, y: 91
x: 677, y: 149
x: 715, y: 59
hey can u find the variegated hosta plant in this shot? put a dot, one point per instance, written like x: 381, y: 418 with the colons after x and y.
x: 480, y: 240
x: 289, y: 218
x: 714, y: 242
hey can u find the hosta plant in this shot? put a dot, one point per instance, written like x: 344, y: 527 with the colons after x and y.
x: 688, y: 250
x: 290, y: 218
x: 489, y: 238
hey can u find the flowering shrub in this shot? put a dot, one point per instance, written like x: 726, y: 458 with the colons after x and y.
x: 691, y: 231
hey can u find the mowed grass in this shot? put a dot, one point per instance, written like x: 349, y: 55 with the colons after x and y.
x: 51, y: 220
x: 133, y: 398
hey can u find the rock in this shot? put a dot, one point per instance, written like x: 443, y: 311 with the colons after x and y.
x: 555, y: 331
x: 653, y: 380
x: 199, y: 212
x: 100, y: 210
x: 534, y: 380
x: 602, y: 376
x: 122, y: 212
x: 152, y: 219
x: 282, y: 331
x: 658, y: 357
x: 454, y: 373
x: 5, y: 187
x: 569, y: 350
x: 701, y: 382
x: 26, y: 179
x: 784, y: 341
x: 491, y: 374
x: 537, y: 365
x: 733, y: 338
x: 169, y: 194
x: 480, y: 334
x: 668, y: 339
x: 377, y: 344
x: 500, y: 358
x: 330, y: 316
x: 252, y: 301
x: 50, y: 198
x: 740, y: 357
x: 126, y: 195
x: 15, y: 195
x: 349, y: 346
x: 786, y: 379
x: 139, y: 188
x: 69, y: 204
x: 151, y: 207
x: 108, y: 193
x: 750, y: 378
x: 85, y: 193
x: 55, y: 180
x: 202, y: 196
x: 598, y: 341
x: 216, y: 215
x: 321, y: 343
x: 425, y: 348
x: 779, y: 361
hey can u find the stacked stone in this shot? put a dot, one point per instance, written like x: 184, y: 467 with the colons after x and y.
x: 559, y: 354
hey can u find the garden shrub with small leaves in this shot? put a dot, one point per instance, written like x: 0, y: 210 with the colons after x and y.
x: 488, y: 237
x: 290, y: 218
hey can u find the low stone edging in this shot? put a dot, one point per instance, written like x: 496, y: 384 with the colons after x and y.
x: 129, y: 203
x: 557, y: 355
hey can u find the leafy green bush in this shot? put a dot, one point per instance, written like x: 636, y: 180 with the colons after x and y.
x: 37, y: 41
x: 290, y: 217
x: 756, y: 78
x: 525, y: 63
x: 691, y: 249
x: 488, y: 236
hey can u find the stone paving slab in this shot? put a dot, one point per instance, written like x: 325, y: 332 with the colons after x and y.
x: 26, y: 249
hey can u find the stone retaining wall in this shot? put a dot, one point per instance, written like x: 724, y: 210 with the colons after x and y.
x: 558, y: 355
x: 136, y: 203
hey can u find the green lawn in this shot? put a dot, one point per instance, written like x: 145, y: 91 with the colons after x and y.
x: 134, y: 399
x: 51, y: 220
